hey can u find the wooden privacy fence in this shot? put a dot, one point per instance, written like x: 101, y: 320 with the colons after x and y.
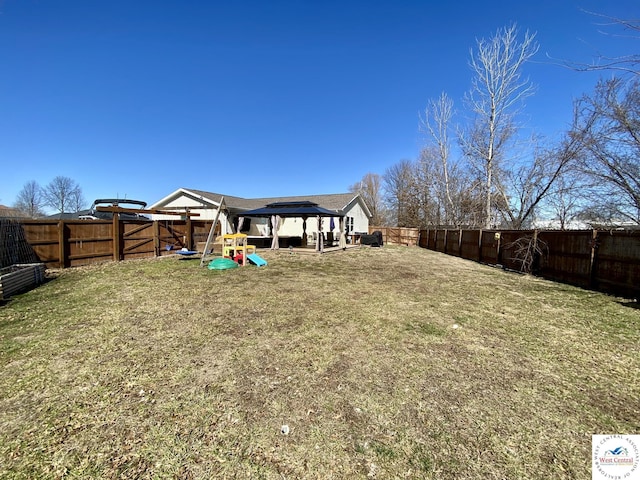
x: 604, y: 260
x: 72, y: 243
x: 398, y: 235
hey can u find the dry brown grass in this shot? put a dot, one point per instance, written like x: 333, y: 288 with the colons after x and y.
x: 161, y: 369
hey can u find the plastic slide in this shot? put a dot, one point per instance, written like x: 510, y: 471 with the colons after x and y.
x: 257, y: 260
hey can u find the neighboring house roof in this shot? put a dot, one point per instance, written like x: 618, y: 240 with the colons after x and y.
x: 69, y: 215
x: 335, y: 201
x: 9, y: 212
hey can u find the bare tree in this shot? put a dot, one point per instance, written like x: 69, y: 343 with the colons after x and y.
x: 77, y: 200
x: 30, y: 200
x: 63, y: 195
x: 565, y: 201
x: 370, y: 188
x: 608, y: 127
x: 612, y: 27
x: 435, y: 123
x: 497, y: 93
x: 400, y: 185
x: 529, y: 184
x: 428, y: 206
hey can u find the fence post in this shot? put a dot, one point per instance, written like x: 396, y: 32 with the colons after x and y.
x: 444, y: 247
x: 535, y: 261
x: 480, y: 245
x: 460, y: 242
x: 189, y: 233
x: 593, y: 280
x: 156, y: 238
x: 117, y: 252
x: 62, y: 244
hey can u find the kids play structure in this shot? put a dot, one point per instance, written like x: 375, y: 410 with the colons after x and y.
x: 236, y: 250
x: 234, y: 247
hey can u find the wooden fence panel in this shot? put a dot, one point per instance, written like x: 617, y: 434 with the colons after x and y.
x: 392, y: 236
x: 172, y: 235
x: 398, y: 235
x: 470, y: 245
x: 432, y: 239
x: 43, y: 236
x: 427, y: 238
x: 617, y: 263
x: 440, y: 241
x: 453, y: 242
x: 489, y: 247
x: 201, y: 230
x: 87, y: 242
x: 423, y: 238
x: 138, y: 240
x: 409, y: 236
x: 510, y: 241
x: 567, y: 256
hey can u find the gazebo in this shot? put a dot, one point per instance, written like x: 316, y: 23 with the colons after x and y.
x: 302, y: 209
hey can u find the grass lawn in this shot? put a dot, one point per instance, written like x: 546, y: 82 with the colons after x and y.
x: 161, y: 369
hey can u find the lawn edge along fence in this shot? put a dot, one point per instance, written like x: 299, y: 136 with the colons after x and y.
x: 603, y: 260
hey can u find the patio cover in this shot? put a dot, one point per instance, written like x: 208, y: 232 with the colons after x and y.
x: 303, y: 209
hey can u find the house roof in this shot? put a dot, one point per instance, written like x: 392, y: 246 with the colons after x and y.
x: 70, y: 215
x: 9, y: 212
x: 334, y: 201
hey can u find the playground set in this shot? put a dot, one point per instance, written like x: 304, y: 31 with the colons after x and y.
x: 235, y: 250
x: 235, y: 247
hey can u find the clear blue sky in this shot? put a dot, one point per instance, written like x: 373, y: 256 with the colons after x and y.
x: 256, y: 98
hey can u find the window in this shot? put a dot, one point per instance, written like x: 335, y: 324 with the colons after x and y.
x: 349, y: 225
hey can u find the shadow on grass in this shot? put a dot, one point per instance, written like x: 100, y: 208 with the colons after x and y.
x: 631, y: 304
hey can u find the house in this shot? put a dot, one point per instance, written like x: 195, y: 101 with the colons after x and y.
x: 350, y: 211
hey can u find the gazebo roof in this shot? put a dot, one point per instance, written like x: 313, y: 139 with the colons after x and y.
x: 299, y: 209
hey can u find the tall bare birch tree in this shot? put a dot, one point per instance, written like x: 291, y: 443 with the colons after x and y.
x: 497, y: 94
x: 435, y: 123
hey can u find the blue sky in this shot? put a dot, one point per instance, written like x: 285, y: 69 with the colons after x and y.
x: 257, y: 98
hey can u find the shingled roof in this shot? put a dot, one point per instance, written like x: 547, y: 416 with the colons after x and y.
x: 332, y: 201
